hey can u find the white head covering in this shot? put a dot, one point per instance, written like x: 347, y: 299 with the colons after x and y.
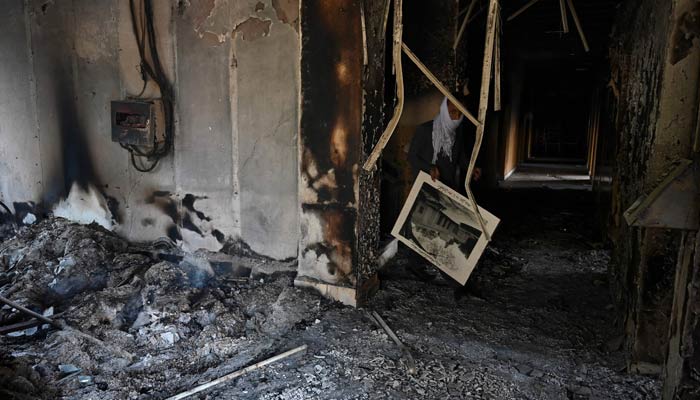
x: 444, y: 132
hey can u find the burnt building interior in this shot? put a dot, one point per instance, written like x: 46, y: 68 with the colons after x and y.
x: 200, y: 199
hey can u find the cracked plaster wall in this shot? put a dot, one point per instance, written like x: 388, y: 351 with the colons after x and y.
x: 234, y: 67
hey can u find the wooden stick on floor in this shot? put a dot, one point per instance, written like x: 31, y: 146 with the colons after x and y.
x: 238, y: 373
x: 410, y: 362
x: 574, y: 15
x: 30, y: 312
x: 396, y: 56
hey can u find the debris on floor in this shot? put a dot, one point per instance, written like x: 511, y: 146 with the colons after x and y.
x: 536, y: 327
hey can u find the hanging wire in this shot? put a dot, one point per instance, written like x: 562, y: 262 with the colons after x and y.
x: 146, y: 159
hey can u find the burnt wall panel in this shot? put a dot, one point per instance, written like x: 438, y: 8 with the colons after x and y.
x: 330, y: 138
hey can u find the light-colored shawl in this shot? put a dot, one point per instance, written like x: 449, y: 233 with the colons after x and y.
x: 444, y: 132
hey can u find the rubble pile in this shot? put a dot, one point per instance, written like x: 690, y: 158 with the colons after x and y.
x: 136, y: 321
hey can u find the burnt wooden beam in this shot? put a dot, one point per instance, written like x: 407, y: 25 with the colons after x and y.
x: 464, y: 24
x: 398, y: 72
x: 29, y: 312
x: 579, y: 28
x: 564, y: 17
x: 522, y: 9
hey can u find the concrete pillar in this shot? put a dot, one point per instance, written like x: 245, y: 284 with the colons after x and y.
x: 341, y: 113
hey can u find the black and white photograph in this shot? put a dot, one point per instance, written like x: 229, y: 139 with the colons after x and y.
x: 440, y: 224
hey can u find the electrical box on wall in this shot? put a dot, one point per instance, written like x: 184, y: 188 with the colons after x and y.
x: 138, y: 122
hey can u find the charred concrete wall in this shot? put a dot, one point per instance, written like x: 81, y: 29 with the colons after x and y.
x: 234, y: 66
x: 654, y: 116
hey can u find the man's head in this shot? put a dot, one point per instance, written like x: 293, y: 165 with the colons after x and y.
x: 455, y: 114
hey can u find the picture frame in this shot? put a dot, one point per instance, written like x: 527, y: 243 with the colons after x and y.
x: 440, y: 224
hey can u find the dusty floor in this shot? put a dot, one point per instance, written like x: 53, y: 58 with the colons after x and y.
x: 537, y: 326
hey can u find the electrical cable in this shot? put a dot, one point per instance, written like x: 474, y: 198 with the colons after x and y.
x: 147, y: 45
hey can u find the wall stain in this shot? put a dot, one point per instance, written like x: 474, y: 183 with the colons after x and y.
x: 188, y: 203
x: 181, y: 213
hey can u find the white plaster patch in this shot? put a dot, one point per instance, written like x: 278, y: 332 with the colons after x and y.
x: 328, y: 180
x: 85, y: 207
x: 312, y: 228
x: 308, y: 195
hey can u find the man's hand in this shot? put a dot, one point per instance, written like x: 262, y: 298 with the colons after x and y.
x: 476, y: 174
x: 434, y: 173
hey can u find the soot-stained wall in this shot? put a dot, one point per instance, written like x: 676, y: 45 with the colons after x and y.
x: 234, y: 66
x: 636, y: 68
x: 654, y: 76
x: 331, y: 119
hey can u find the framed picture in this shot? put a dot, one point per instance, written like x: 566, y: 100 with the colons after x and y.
x: 440, y: 224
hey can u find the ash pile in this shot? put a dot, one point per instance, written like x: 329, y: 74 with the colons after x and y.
x: 137, y: 317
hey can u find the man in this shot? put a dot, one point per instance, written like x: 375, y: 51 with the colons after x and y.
x: 439, y: 148
x: 442, y: 148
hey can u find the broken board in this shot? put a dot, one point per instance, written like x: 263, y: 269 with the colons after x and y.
x: 442, y: 226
